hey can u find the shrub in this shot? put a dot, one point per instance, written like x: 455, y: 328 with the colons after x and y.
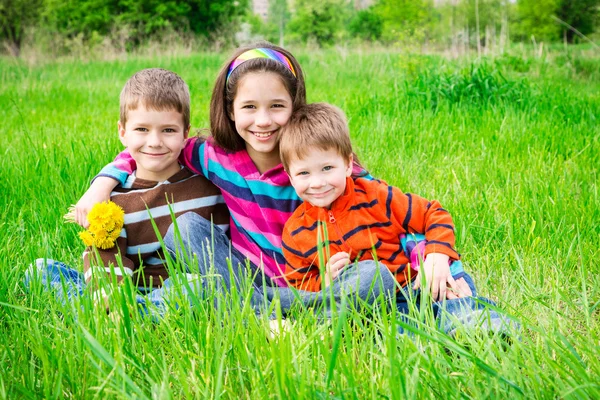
x: 479, y: 84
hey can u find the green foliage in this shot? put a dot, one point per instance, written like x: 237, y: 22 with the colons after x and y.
x: 404, y: 19
x: 522, y: 185
x: 580, y: 14
x: 534, y: 18
x: 15, y: 17
x: 279, y: 16
x: 478, y: 84
x: 318, y: 21
x: 92, y: 20
x: 366, y: 24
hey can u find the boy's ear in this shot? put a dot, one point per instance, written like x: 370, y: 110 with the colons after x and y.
x: 122, y: 133
x: 350, y: 165
x: 187, y: 132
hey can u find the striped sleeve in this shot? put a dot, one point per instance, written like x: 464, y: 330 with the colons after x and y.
x: 120, y: 168
x: 417, y: 215
x: 299, y: 271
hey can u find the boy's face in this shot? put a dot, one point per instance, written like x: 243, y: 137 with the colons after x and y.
x: 320, y: 177
x: 155, y: 140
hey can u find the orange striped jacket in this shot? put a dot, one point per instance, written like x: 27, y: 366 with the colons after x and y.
x: 365, y: 222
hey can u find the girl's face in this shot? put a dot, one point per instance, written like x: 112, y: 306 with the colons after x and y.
x: 262, y: 105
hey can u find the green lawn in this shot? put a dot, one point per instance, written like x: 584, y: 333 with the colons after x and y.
x: 508, y: 145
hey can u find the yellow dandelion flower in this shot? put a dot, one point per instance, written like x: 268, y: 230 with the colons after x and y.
x: 87, y: 238
x: 106, y: 221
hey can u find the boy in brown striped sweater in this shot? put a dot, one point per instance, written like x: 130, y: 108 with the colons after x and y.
x: 153, y: 125
x: 364, y: 219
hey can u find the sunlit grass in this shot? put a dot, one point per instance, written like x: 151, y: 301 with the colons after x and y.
x: 519, y: 174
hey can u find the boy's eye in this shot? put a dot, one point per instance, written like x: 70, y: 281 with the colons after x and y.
x: 327, y: 168
x: 170, y: 130
x: 302, y: 173
x: 139, y: 129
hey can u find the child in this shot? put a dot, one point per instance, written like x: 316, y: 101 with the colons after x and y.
x: 255, y: 94
x: 153, y: 125
x: 358, y: 219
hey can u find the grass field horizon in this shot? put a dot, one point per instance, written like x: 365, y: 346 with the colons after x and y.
x: 508, y: 144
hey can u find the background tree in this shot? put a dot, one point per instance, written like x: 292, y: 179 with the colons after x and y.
x: 366, y: 24
x: 319, y: 21
x: 580, y: 14
x: 403, y: 19
x: 279, y: 16
x: 15, y: 17
x: 534, y: 18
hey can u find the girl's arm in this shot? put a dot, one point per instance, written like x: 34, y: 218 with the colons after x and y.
x: 98, y: 191
x: 418, y: 215
x: 119, y: 170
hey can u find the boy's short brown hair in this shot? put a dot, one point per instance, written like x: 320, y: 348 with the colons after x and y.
x: 156, y: 89
x: 316, y: 125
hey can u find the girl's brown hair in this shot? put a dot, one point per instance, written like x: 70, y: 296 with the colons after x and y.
x: 221, y: 103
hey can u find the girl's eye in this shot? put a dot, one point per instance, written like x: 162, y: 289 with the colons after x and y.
x: 302, y: 173
x: 248, y: 107
x: 327, y: 168
x: 278, y: 106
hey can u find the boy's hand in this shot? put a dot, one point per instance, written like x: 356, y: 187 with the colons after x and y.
x: 99, y: 191
x: 437, y: 274
x: 336, y: 263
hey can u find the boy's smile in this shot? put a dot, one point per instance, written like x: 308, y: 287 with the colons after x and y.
x: 320, y: 177
x: 154, y: 140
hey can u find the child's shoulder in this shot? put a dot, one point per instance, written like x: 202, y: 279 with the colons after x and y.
x: 370, y: 187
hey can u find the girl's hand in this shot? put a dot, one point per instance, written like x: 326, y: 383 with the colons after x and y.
x: 335, y: 265
x: 437, y: 274
x: 463, y: 290
x: 99, y: 191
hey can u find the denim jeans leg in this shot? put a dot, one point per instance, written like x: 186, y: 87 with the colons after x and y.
x: 361, y: 283
x: 65, y: 282
x: 197, y: 236
x: 408, y: 295
x: 171, y: 296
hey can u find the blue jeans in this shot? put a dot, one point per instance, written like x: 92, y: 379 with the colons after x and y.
x: 467, y: 313
x: 360, y: 284
x: 67, y: 284
x: 196, y: 238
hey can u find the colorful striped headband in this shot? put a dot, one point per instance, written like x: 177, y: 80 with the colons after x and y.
x: 261, y: 53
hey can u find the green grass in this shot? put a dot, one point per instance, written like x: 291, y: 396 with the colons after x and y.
x: 509, y: 145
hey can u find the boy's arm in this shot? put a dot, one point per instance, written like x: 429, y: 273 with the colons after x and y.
x: 298, y: 271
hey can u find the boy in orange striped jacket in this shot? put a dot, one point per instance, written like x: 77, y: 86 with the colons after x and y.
x: 363, y: 219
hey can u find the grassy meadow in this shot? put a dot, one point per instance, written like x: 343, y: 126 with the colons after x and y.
x: 509, y: 145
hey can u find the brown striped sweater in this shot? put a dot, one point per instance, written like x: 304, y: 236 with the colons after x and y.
x: 138, y: 247
x: 366, y: 222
